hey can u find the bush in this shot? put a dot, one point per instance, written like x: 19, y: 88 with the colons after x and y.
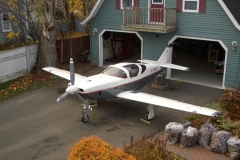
x: 152, y: 149
x: 230, y: 101
x: 93, y: 148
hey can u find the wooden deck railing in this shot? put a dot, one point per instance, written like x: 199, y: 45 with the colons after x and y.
x: 150, y: 17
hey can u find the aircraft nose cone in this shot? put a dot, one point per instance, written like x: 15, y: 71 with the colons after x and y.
x: 71, y: 89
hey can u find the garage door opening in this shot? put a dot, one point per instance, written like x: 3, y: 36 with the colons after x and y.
x: 204, y: 58
x: 120, y: 47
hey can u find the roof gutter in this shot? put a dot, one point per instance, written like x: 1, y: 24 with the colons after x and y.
x: 93, y: 12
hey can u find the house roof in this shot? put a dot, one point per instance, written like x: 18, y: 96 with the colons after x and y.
x: 93, y: 12
x: 231, y: 7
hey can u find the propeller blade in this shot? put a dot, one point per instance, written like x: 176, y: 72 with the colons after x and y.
x: 62, y: 96
x: 72, y: 74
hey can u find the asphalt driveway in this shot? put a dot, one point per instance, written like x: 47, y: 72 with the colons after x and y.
x: 34, y: 126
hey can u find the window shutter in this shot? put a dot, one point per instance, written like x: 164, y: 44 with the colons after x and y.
x: 118, y: 4
x: 136, y: 3
x: 202, y: 6
x: 179, y: 5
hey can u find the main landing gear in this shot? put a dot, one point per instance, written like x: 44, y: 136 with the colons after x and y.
x: 150, y: 112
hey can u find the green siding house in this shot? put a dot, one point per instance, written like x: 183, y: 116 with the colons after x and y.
x: 205, y: 34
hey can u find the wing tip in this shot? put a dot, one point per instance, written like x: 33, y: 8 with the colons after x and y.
x: 216, y: 114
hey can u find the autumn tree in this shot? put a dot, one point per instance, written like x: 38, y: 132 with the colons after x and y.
x: 18, y: 16
x: 48, y: 53
x: 36, y: 20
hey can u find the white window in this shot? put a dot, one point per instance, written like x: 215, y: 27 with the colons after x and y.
x: 157, y: 1
x: 190, y: 5
x: 126, y: 3
x: 6, y: 22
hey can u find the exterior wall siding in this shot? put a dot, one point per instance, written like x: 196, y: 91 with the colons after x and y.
x: 214, y: 24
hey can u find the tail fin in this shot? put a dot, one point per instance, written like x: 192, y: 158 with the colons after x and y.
x: 165, y: 59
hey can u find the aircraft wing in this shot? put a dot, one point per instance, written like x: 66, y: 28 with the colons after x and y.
x: 165, y: 102
x: 62, y: 73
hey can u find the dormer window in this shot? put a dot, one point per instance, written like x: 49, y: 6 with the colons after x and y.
x: 190, y: 5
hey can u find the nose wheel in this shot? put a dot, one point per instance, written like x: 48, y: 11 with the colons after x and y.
x: 85, y: 118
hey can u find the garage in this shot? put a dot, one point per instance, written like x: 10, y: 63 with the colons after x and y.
x: 116, y: 47
x: 204, y: 57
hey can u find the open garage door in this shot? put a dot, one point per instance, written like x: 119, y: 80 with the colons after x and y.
x: 205, y: 59
x: 119, y: 47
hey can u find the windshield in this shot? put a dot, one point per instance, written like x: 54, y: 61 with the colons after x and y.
x: 115, y: 72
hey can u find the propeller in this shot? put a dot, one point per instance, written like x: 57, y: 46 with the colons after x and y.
x: 72, y: 88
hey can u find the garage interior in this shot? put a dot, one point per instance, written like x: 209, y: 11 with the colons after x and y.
x: 120, y: 47
x: 204, y: 58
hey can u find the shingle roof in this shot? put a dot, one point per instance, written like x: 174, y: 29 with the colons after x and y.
x: 234, y: 8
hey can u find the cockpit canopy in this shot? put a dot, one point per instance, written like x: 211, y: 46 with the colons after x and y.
x: 115, y: 72
x: 131, y: 69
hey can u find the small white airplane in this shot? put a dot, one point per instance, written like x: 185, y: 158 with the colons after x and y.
x: 124, y: 80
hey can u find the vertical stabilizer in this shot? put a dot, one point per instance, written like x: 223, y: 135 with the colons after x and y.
x: 166, y: 56
x: 165, y: 59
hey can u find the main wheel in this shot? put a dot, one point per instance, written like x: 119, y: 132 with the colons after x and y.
x: 82, y: 57
x: 85, y: 118
x: 146, y: 116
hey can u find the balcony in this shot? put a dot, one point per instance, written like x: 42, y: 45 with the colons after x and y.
x: 157, y: 20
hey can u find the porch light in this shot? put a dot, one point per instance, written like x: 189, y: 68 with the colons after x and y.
x: 94, y: 31
x: 234, y: 45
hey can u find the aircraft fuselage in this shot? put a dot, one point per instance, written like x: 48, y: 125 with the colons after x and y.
x: 118, y: 78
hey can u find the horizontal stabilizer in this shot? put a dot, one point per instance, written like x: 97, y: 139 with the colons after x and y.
x: 147, y: 61
x: 165, y: 102
x: 173, y: 66
x: 62, y: 73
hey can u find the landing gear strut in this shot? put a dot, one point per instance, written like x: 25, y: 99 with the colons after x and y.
x: 85, y: 117
x: 150, y: 112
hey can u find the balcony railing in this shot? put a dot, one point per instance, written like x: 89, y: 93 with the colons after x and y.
x: 161, y: 20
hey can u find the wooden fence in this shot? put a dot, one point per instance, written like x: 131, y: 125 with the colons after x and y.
x: 17, y: 62
x: 79, y: 45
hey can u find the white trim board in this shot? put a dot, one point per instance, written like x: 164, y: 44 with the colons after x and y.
x: 93, y: 12
x: 205, y: 39
x: 100, y: 42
